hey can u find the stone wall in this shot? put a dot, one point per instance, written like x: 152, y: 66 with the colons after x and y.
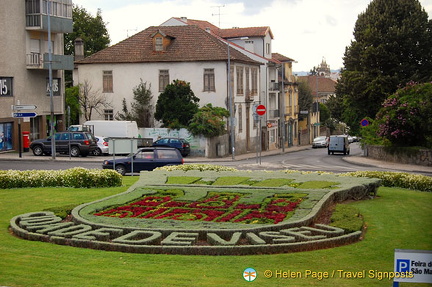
x: 422, y: 157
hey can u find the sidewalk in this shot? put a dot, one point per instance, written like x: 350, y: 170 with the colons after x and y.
x: 358, y: 160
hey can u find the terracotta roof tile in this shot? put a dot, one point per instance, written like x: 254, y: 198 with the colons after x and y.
x: 189, y: 44
x: 246, y: 32
x: 324, y: 84
x: 281, y: 58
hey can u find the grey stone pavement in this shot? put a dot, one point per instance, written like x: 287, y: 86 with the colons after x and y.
x: 359, y: 160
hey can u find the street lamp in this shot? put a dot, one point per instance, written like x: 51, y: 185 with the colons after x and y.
x: 53, y: 146
x: 230, y: 97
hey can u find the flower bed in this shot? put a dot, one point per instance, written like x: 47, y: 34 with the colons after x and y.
x: 215, y: 207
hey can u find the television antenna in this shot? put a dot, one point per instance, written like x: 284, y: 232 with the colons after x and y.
x: 219, y: 13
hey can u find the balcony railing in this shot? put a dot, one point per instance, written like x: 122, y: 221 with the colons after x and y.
x: 40, y: 61
x: 273, y: 86
x: 34, y: 60
x: 273, y: 113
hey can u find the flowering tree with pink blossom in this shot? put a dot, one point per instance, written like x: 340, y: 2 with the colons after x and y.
x: 405, y: 118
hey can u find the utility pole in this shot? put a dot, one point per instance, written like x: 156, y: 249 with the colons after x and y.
x: 53, y: 147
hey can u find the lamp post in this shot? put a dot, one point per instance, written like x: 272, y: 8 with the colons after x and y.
x: 230, y: 97
x: 50, y: 80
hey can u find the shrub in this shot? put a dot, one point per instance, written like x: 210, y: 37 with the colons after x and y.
x: 200, y: 167
x: 75, y: 177
x: 397, y: 179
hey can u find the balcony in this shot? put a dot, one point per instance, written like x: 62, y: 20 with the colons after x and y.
x: 249, y: 97
x: 40, y: 22
x: 273, y: 114
x: 273, y: 86
x: 37, y: 61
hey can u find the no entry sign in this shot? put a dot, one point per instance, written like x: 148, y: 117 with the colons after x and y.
x: 260, y: 110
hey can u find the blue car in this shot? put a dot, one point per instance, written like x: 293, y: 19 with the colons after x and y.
x: 181, y: 144
x: 147, y: 158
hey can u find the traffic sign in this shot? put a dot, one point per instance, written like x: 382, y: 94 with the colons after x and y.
x: 24, y: 107
x: 24, y: 115
x: 364, y: 122
x: 260, y: 110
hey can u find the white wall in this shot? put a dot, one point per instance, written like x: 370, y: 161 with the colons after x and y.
x: 127, y: 76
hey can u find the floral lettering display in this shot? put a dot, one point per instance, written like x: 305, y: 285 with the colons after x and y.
x: 205, y: 213
x: 215, y: 207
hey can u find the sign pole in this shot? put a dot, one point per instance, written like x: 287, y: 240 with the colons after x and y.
x: 19, y: 138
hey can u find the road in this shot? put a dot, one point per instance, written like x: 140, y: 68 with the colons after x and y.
x: 304, y: 160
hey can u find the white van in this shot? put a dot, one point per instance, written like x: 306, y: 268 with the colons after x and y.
x: 338, y: 144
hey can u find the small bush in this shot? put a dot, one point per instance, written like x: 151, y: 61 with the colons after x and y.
x: 75, y: 177
x: 397, y: 179
x: 62, y: 211
x: 200, y: 167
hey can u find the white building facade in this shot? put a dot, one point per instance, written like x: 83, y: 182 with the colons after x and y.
x: 159, y: 55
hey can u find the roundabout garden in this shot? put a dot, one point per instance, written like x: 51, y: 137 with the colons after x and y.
x: 208, y: 213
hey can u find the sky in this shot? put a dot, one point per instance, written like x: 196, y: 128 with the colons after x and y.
x: 307, y: 31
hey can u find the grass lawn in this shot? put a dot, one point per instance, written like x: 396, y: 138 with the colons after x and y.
x: 398, y: 218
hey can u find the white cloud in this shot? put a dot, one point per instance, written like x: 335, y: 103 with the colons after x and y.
x: 305, y: 30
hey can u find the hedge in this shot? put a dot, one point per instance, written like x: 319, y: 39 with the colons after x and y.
x: 77, y: 177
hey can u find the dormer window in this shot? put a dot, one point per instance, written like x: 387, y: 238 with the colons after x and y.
x: 161, y: 41
x: 159, y: 44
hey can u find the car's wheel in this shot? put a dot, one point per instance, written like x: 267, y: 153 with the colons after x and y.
x: 97, y: 152
x: 38, y: 150
x: 74, y: 151
x: 120, y: 169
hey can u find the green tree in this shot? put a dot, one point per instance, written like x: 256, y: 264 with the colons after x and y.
x: 391, y: 47
x: 177, y: 105
x: 72, y: 102
x: 405, y: 117
x: 92, y: 30
x: 209, y: 121
x: 324, y: 113
x: 305, y: 96
x: 141, y: 107
x: 125, y: 115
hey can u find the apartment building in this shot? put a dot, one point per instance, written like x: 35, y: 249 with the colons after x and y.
x: 25, y: 51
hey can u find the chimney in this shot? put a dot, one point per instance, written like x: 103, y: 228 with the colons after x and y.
x: 184, y: 19
x: 79, y: 49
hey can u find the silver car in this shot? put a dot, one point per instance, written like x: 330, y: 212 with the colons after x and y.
x: 321, y: 141
x: 102, y: 143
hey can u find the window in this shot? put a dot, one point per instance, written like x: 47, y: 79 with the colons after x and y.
x: 254, y: 81
x: 163, y: 79
x: 247, y: 83
x: 107, y: 79
x: 239, y: 71
x: 240, y: 118
x: 109, y: 115
x: 268, y: 50
x: 159, y: 44
x: 209, y: 80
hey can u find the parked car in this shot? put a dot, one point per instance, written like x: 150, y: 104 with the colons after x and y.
x: 147, y: 158
x: 102, y: 146
x: 181, y: 144
x: 321, y: 141
x: 77, y: 143
x: 338, y: 144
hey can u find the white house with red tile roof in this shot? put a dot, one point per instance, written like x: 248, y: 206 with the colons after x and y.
x: 160, y: 54
x: 280, y: 124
